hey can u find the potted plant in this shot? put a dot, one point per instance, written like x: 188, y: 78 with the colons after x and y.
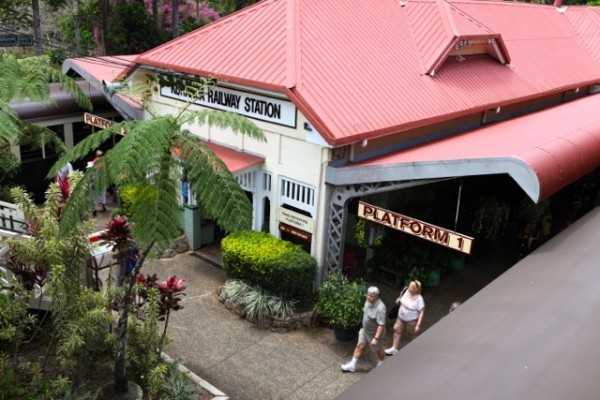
x: 341, y: 303
x: 491, y: 218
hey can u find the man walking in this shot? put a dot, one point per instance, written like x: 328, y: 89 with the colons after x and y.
x: 372, y: 331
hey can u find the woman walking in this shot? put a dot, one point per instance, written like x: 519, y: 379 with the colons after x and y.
x: 410, y: 315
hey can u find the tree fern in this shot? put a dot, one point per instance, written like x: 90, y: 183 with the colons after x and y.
x: 29, y: 79
x: 143, y: 158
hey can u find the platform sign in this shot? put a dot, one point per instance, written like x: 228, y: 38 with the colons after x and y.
x: 100, y: 122
x: 14, y: 40
x: 415, y: 227
x: 295, y: 232
x: 295, y: 219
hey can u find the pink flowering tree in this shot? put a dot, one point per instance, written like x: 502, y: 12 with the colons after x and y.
x: 191, y: 14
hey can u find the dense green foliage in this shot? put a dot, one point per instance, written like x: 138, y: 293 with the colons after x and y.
x: 279, y: 267
x: 77, y: 338
x: 341, y: 301
x: 131, y: 30
x: 27, y: 79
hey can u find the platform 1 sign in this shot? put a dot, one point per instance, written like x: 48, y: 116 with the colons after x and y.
x: 414, y: 227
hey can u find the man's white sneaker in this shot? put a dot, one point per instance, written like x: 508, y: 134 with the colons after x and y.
x: 348, y: 367
x: 391, y: 351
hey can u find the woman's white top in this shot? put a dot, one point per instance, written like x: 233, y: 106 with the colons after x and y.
x: 410, y: 307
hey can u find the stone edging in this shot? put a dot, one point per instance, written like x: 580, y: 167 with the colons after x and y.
x: 216, y: 393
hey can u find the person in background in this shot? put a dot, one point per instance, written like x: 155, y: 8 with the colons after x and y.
x: 131, y: 256
x: 410, y: 315
x: 100, y: 197
x: 454, y: 306
x: 62, y: 178
x: 372, y: 331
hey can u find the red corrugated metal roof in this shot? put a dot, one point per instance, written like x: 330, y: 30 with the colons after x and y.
x: 586, y: 22
x: 236, y: 161
x: 100, y: 69
x: 97, y: 70
x: 555, y: 147
x: 355, y: 69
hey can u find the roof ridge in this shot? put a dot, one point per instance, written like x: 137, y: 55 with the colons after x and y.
x: 447, y: 16
x: 293, y: 48
x: 470, y: 20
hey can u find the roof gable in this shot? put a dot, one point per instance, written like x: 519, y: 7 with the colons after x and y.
x: 450, y: 32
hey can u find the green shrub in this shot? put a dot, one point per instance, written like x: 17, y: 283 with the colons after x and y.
x: 279, y: 267
x: 341, y: 301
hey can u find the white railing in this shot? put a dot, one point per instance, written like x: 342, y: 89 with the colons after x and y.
x: 102, y: 259
x: 12, y: 218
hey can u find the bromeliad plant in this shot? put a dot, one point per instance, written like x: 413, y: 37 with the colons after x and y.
x: 118, y: 234
x: 170, y: 294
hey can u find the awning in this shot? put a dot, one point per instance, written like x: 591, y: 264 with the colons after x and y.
x: 61, y: 103
x: 235, y: 160
x: 101, y: 70
x: 543, y: 152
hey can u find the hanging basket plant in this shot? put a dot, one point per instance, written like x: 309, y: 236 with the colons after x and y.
x: 491, y: 218
x: 362, y: 239
x: 531, y: 212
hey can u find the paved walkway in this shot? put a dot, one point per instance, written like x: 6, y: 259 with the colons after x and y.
x: 241, y: 359
x: 247, y: 362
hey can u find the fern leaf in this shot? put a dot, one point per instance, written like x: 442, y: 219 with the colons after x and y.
x: 223, y: 119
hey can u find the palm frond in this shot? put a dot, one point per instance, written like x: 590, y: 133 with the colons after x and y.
x: 138, y: 152
x: 78, y: 204
x: 70, y: 86
x: 38, y: 137
x: 21, y: 80
x: 86, y: 146
x: 9, y: 128
x: 217, y: 190
x: 224, y: 119
x: 155, y: 216
x: 29, y: 78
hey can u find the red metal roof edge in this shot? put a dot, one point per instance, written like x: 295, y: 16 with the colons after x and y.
x: 311, y: 116
x: 235, y: 160
x: 220, y: 77
x: 446, y: 117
